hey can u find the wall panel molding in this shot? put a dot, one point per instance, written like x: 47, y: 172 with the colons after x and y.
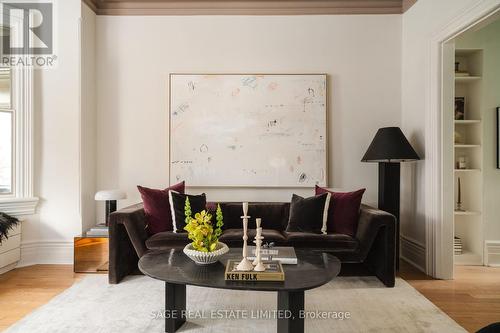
x: 244, y: 7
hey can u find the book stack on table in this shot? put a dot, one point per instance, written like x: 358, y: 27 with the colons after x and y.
x: 457, y: 246
x: 100, y: 230
x: 274, y: 272
x: 284, y: 254
x: 273, y: 259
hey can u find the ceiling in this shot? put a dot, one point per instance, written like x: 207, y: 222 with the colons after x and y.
x: 247, y: 7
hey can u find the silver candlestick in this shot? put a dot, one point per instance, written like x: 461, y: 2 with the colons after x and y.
x: 245, y: 264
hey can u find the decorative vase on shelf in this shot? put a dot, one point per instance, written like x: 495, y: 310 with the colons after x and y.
x: 462, y: 162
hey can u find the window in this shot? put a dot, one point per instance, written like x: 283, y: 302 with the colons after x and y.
x: 16, y: 135
x: 6, y: 133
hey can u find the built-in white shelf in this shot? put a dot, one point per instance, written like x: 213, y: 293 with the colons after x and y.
x: 467, y: 122
x: 467, y: 170
x: 468, y: 258
x: 468, y: 224
x: 467, y: 146
x: 466, y: 79
x: 467, y: 213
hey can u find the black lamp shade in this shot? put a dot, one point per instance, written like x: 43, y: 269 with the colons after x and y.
x: 390, y: 145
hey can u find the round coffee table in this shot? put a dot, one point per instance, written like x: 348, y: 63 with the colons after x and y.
x: 313, y: 269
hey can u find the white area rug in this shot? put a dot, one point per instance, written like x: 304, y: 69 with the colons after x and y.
x: 92, y: 305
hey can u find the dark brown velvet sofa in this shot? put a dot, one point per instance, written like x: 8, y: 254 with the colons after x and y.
x: 370, y: 252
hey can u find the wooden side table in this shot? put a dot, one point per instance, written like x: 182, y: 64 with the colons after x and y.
x: 91, y: 254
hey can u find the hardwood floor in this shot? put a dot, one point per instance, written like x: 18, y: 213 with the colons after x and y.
x: 472, y: 299
x: 24, y: 289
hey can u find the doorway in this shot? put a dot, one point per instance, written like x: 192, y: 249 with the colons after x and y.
x: 470, y: 172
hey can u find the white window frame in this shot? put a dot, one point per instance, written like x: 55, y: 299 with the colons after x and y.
x: 10, y: 110
x: 21, y: 201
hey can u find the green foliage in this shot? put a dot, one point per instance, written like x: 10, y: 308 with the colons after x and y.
x: 7, y: 223
x: 220, y: 221
x: 200, y: 229
x: 187, y: 211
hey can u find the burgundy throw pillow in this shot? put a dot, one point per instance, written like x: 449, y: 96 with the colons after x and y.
x: 343, y: 214
x: 157, y: 207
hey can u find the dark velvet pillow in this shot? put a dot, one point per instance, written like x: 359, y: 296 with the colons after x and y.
x: 343, y: 214
x: 177, y: 204
x: 308, y: 214
x: 157, y: 207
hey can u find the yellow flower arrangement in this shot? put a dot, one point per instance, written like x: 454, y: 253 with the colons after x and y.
x: 200, y: 230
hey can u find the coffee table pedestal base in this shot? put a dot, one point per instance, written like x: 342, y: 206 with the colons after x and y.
x: 290, y: 305
x: 175, y: 306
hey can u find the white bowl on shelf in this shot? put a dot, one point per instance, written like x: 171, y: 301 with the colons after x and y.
x: 206, y: 258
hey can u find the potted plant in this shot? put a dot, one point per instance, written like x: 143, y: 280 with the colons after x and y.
x: 7, y: 223
x: 205, y: 247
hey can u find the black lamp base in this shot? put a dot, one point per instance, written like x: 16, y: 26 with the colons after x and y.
x: 388, y: 194
x: 110, y: 208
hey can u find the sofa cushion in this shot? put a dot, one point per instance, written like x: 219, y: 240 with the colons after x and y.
x: 166, y: 240
x: 338, y: 242
x: 178, y: 205
x: 157, y: 207
x: 309, y: 214
x: 274, y: 215
x: 235, y: 236
x: 343, y: 213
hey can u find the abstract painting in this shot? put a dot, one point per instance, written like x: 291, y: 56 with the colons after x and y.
x: 252, y: 130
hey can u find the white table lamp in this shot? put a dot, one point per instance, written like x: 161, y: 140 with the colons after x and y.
x: 110, y: 196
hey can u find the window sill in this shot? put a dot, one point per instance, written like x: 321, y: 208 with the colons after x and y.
x: 18, y: 206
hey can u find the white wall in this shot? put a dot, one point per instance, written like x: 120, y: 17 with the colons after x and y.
x: 47, y: 236
x: 361, y: 55
x: 88, y: 136
x: 488, y: 39
x: 420, y: 24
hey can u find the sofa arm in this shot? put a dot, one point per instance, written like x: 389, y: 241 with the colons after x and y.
x: 377, y: 241
x: 371, y: 220
x: 127, y: 237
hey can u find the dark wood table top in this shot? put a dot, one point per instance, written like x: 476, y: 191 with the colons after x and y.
x: 313, y: 269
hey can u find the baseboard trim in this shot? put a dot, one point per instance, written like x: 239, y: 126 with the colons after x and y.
x: 413, y: 252
x: 46, y: 252
x: 492, y: 253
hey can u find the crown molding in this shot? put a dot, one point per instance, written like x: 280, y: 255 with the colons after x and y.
x: 92, y: 5
x: 245, y: 7
x: 407, y: 5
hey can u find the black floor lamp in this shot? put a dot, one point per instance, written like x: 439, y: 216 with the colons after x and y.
x: 389, y: 148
